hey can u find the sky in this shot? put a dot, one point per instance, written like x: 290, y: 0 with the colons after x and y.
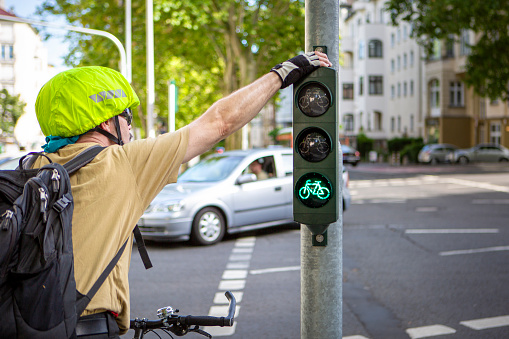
x: 57, y: 47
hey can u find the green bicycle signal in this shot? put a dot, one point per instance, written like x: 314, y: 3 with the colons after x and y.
x: 313, y: 190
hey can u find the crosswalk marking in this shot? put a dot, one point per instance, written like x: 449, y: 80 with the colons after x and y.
x: 483, y: 324
x: 429, y: 331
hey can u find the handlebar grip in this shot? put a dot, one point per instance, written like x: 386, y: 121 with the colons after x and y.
x: 214, y: 321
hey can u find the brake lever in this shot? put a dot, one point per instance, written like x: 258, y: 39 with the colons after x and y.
x: 196, y: 329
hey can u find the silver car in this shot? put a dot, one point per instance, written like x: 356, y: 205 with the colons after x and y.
x: 435, y: 153
x: 225, y: 193
x: 481, y: 153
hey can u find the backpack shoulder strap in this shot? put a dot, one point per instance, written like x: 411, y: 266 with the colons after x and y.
x: 83, y: 158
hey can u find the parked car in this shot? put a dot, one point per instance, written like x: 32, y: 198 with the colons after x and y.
x: 220, y: 194
x: 350, y: 155
x: 435, y: 153
x: 481, y: 153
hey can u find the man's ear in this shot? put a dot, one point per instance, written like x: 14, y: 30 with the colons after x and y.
x: 107, y: 125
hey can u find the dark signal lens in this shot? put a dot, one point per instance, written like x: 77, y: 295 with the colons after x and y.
x: 314, y: 99
x: 313, y: 144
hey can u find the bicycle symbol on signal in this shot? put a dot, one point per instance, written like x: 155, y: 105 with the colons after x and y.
x: 314, y: 188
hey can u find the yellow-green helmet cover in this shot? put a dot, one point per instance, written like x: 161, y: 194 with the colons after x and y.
x: 77, y: 100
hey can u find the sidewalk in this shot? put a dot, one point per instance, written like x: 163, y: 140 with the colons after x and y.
x: 386, y: 168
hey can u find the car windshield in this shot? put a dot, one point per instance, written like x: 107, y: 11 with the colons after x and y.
x: 211, y: 169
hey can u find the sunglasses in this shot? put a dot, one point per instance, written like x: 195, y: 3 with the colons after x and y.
x: 128, y: 115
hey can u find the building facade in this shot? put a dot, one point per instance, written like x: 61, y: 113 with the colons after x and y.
x: 23, y: 70
x: 391, y: 88
x: 381, y: 77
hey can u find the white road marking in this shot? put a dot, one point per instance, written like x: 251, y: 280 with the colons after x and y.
x: 453, y: 231
x: 355, y: 337
x: 482, y: 324
x: 234, y: 274
x: 233, y: 279
x: 490, y: 201
x: 426, y: 209
x: 476, y: 184
x: 429, y: 331
x: 477, y: 250
x: 276, y: 269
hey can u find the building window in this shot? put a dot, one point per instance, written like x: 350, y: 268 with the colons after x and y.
x: 404, y: 60
x: 361, y: 85
x: 456, y: 94
x: 375, y: 49
x: 436, y: 50
x: 392, y: 65
x: 411, y: 58
x: 399, y: 89
x: 393, y: 124
x: 411, y: 87
x: 495, y: 133
x: 399, y: 62
x: 399, y: 123
x: 465, y: 42
x: 411, y: 123
x: 377, y: 121
x: 361, y: 49
x: 382, y: 15
x: 398, y: 35
x: 393, y: 40
x: 405, y: 33
x: 449, y: 47
x: 434, y: 94
x: 349, y: 126
x: 7, y: 52
x: 404, y: 89
x: 376, y: 85
x: 348, y: 91
x: 393, y: 91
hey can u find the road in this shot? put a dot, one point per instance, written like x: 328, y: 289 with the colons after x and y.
x: 425, y: 255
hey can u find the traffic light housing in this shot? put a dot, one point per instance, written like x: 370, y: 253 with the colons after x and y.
x: 316, y: 178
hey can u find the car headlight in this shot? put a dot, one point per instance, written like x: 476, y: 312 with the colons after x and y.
x: 165, y: 207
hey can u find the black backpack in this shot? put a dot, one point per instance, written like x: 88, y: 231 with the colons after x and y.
x: 38, y: 296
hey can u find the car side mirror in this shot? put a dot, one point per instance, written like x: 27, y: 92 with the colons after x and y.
x: 245, y: 178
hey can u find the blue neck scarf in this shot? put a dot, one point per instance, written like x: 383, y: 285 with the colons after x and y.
x: 54, y: 143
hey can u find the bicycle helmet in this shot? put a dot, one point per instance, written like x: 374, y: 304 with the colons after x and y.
x: 78, y: 100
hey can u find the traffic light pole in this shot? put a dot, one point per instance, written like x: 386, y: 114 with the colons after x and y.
x: 322, y: 266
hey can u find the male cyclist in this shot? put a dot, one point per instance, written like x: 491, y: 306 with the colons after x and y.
x: 86, y: 106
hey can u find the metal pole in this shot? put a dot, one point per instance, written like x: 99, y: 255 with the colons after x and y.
x: 123, y: 66
x: 128, y: 41
x: 172, y: 104
x: 322, y: 266
x: 150, y: 68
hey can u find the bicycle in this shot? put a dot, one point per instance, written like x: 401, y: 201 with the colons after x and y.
x: 314, y: 188
x: 180, y: 325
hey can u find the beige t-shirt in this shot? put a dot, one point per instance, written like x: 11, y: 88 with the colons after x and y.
x: 110, y: 195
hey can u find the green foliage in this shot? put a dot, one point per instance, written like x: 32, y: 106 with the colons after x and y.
x: 209, y: 47
x: 487, y: 67
x: 11, y: 108
x: 409, y: 147
x: 364, y: 144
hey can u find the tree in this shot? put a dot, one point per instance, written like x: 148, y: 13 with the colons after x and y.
x: 11, y: 108
x: 487, y: 66
x: 210, y: 47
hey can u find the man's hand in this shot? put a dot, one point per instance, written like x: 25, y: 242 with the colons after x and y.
x: 297, y: 67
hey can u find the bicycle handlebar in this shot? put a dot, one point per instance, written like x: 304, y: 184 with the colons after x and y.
x: 180, y: 324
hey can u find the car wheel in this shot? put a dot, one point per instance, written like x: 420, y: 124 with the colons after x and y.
x: 208, y: 227
x: 503, y: 160
x: 433, y: 161
x: 463, y: 160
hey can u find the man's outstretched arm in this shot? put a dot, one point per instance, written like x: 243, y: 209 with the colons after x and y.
x: 229, y: 114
